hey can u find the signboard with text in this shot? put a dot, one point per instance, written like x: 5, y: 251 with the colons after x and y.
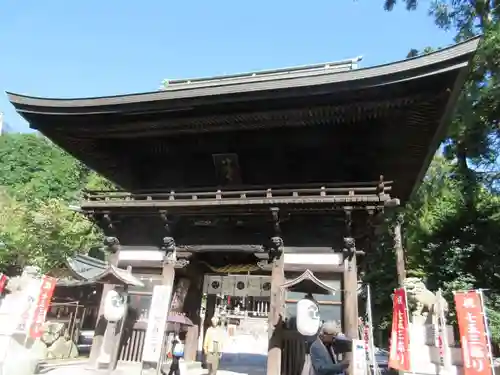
x: 359, y: 358
x: 473, y: 333
x: 157, y: 322
x: 47, y: 287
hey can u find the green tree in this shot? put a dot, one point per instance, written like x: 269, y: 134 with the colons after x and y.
x: 97, y: 182
x: 34, y: 168
x: 44, y: 234
x: 452, y: 223
x: 38, y: 181
x: 474, y: 133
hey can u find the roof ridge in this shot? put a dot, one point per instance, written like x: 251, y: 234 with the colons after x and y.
x: 91, y: 261
x: 350, y: 63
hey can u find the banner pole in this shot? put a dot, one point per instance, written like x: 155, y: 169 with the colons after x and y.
x: 408, y: 329
x: 487, y: 327
x: 443, y: 334
x: 370, y: 328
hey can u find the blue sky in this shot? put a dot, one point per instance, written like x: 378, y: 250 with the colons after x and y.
x: 63, y: 48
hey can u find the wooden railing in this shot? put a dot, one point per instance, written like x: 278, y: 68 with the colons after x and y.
x: 131, y: 350
x: 299, y: 194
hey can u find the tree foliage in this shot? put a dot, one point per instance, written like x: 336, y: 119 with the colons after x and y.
x: 453, y: 223
x: 42, y: 234
x: 38, y: 183
x: 33, y: 168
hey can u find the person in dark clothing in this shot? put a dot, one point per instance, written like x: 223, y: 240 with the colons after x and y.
x: 174, y: 366
x: 323, y: 361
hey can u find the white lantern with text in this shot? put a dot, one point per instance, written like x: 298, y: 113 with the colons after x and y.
x: 114, y: 306
x: 308, y: 319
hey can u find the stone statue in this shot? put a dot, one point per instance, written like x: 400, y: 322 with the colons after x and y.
x: 421, y: 297
x: 58, y: 341
x: 20, y: 283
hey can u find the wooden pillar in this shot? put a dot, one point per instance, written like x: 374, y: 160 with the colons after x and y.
x: 112, y: 244
x: 179, y: 295
x: 192, y: 308
x: 209, y: 312
x: 276, y: 308
x: 350, y: 301
x: 168, y: 270
x: 398, y: 249
x: 154, y: 348
x: 350, y: 285
x: 110, y: 349
x: 275, y: 317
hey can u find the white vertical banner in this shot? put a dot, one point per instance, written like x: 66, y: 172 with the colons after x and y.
x: 157, y: 322
x: 359, y: 365
x: 31, y: 294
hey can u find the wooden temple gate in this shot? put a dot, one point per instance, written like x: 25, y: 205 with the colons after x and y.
x: 287, y: 158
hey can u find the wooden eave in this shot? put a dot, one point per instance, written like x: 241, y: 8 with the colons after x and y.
x: 209, y: 92
x: 310, y: 282
x: 116, y: 276
x: 83, y: 267
x: 424, y: 88
x: 88, y: 270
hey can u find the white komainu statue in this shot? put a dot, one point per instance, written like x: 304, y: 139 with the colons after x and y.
x: 421, y: 297
x: 20, y: 283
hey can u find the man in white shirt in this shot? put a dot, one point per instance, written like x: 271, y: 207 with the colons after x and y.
x: 212, y: 346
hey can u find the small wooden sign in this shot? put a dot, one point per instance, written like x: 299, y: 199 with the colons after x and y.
x: 227, y: 169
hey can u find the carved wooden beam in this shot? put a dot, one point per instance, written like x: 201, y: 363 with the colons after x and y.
x: 275, y: 249
x: 349, y: 249
x: 381, y: 187
x: 169, y: 246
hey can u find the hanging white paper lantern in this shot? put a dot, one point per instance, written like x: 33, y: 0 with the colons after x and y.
x: 114, y: 306
x: 308, y: 319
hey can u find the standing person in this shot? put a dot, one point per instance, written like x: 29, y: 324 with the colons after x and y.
x: 212, y: 346
x: 323, y: 359
x: 177, y: 353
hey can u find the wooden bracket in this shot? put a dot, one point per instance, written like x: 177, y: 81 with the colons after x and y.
x: 111, y: 244
x: 275, y: 248
x: 168, y: 241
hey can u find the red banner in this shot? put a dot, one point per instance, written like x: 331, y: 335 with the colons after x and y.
x: 3, y: 282
x: 399, y: 358
x: 470, y: 317
x: 47, y: 287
